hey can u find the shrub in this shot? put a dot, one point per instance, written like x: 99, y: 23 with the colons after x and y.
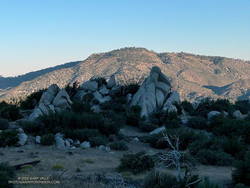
x: 206, y: 184
x: 100, y: 81
x: 58, y: 167
x: 8, y: 138
x: 241, y: 173
x: 147, y: 126
x: 9, y: 111
x: 210, y: 157
x: 240, y: 185
x: 243, y: 106
x: 198, y: 123
x: 47, y: 139
x: 79, y: 107
x: 136, y: 163
x: 108, y: 127
x: 4, y: 124
x: 7, y: 173
x: 81, y: 134
x: 32, y: 100
x: 98, y: 140
x: 158, y: 179
x: 30, y: 127
x: 119, y: 145
x: 133, y: 116
x: 233, y: 146
x: 188, y: 107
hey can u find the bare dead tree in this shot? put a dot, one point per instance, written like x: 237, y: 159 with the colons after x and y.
x: 175, y: 158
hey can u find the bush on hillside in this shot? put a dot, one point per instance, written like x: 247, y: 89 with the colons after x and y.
x: 188, y: 107
x: 119, y: 145
x: 8, y: 138
x: 241, y: 173
x: 79, y: 107
x: 4, y: 124
x: 48, y: 140
x: 32, y: 100
x: 81, y: 134
x: 211, y: 157
x: 9, y: 111
x: 156, y: 179
x: 198, y: 123
x: 30, y: 127
x: 133, y: 116
x: 136, y: 163
x: 7, y: 173
x: 98, y: 140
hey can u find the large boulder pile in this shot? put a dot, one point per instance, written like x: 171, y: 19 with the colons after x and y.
x: 52, y: 100
x: 97, y: 92
x: 155, y: 94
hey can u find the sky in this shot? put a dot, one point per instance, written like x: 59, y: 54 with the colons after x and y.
x: 36, y: 34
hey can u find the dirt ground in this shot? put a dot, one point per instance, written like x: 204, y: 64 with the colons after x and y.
x: 72, y: 163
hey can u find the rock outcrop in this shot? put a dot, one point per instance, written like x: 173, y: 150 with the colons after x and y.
x: 52, y: 100
x: 155, y: 94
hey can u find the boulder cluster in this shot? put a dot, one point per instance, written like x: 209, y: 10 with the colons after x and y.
x: 156, y: 94
x: 53, y: 100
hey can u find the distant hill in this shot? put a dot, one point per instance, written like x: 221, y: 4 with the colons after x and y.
x: 194, y: 76
x: 9, y: 82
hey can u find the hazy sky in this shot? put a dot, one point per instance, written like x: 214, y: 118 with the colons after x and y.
x: 36, y: 34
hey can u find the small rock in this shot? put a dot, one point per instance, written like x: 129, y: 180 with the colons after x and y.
x: 67, y: 143
x: 104, y: 91
x: 158, y: 130
x: 96, y: 108
x: 136, y: 139
x: 104, y: 148
x: 85, y: 145
x: 22, y: 139
x: 38, y: 140
x: 112, y: 82
x: 238, y: 115
x: 20, y: 130
x: 212, y: 114
x: 60, y: 143
x: 90, y: 85
x: 129, y: 97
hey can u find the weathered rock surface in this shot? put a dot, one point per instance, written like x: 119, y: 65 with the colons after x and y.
x: 90, y: 85
x: 51, y: 100
x: 212, y: 114
x: 155, y: 94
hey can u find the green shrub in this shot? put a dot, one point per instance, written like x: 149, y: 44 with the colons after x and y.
x: 206, y: 184
x: 119, y: 145
x: 8, y: 138
x: 240, y: 185
x: 233, y: 146
x: 81, y: 134
x: 136, y: 163
x: 156, y: 179
x: 188, y: 107
x: 133, y: 116
x: 241, y: 174
x: 9, y: 111
x: 30, y: 127
x: 100, y: 81
x: 243, y: 106
x: 108, y: 127
x: 79, y: 107
x: 98, y: 140
x: 48, y: 139
x: 197, y: 123
x: 4, y: 124
x: 32, y: 100
x: 211, y: 157
x: 147, y: 126
x: 7, y: 173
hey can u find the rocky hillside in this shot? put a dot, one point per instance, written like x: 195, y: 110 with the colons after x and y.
x: 193, y: 76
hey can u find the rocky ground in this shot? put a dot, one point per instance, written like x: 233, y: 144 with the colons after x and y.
x: 72, y: 166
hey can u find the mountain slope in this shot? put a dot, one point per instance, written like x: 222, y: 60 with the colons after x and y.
x: 194, y: 76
